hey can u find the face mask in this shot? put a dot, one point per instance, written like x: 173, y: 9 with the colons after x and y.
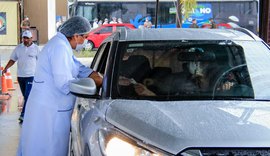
x: 80, y: 47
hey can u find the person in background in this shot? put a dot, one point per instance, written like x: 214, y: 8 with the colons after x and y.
x: 25, y: 24
x: 106, y: 21
x: 100, y: 22
x: 147, y: 23
x: 26, y: 55
x: 119, y: 20
x: 113, y: 20
x: 194, y: 24
x: 95, y: 24
x: 45, y: 131
x: 212, y: 23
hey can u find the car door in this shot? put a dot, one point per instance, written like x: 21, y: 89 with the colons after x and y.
x: 88, y: 104
x: 83, y: 106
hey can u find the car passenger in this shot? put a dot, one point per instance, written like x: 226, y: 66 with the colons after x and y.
x: 134, y: 69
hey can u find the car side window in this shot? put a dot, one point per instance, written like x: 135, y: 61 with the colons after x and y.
x: 106, y: 30
x: 96, y: 60
x: 121, y: 28
x: 127, y: 28
x: 99, y: 62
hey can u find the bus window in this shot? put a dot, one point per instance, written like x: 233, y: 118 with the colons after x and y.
x: 87, y: 11
x: 71, y: 10
x: 109, y: 10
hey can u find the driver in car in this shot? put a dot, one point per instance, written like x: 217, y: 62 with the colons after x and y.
x: 199, y: 69
x: 133, y: 71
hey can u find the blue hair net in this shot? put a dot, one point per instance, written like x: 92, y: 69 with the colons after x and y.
x: 76, y: 24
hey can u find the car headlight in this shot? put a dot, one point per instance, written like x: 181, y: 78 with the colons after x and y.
x: 114, y: 143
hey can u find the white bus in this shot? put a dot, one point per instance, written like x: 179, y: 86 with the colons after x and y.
x: 226, y: 13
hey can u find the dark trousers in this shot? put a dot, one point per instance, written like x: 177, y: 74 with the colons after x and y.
x: 25, y: 85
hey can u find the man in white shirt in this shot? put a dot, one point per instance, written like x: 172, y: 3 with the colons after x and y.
x: 26, y: 55
x: 95, y: 24
x: 114, y: 20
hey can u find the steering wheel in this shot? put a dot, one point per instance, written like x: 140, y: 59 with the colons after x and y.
x: 238, y: 77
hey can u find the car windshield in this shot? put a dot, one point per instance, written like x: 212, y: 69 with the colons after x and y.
x: 193, y: 70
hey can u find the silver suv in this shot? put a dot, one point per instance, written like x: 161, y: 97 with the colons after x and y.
x: 190, y: 92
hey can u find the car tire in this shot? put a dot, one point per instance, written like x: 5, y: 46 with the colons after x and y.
x: 89, y: 45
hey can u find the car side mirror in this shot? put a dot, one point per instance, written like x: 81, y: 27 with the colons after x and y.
x: 84, y: 87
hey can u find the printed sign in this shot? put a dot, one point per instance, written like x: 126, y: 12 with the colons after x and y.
x: 202, y: 14
x: 3, y: 24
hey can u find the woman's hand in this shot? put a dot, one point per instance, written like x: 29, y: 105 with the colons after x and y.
x: 123, y: 81
x: 141, y: 90
x: 97, y: 77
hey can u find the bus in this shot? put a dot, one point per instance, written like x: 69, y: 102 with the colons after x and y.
x: 226, y: 13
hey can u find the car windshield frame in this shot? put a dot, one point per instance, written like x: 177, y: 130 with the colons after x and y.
x: 214, y: 95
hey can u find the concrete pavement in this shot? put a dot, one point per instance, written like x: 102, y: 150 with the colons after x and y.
x: 10, y: 111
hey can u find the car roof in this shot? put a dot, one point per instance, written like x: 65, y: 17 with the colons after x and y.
x: 161, y: 34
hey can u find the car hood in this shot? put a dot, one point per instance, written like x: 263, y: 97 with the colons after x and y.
x: 175, y: 126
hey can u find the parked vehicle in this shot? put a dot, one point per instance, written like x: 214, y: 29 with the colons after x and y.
x: 244, y: 13
x: 188, y: 92
x: 96, y: 36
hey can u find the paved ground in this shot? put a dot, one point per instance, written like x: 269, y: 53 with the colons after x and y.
x: 10, y: 109
x: 9, y: 126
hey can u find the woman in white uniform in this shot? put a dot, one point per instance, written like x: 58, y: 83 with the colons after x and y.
x: 45, y: 130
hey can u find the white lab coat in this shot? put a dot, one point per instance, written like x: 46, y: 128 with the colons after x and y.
x: 46, y: 126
